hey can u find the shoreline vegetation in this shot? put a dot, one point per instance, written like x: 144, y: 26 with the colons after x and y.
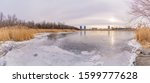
x: 143, y: 36
x: 143, y: 54
x: 21, y: 33
x: 141, y: 14
x: 12, y: 28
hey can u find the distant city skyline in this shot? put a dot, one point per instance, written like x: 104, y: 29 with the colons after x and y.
x: 72, y: 12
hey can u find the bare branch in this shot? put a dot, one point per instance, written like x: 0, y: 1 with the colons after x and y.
x: 141, y: 8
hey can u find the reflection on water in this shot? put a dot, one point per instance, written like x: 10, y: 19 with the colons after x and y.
x: 52, y: 36
x: 96, y: 39
x: 108, y: 33
x: 83, y: 33
x: 111, y: 34
x: 110, y: 47
x: 112, y: 37
x: 56, y: 36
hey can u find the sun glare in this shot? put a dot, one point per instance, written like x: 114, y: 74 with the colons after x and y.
x: 113, y: 20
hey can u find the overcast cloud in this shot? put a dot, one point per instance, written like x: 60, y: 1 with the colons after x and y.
x: 73, y: 12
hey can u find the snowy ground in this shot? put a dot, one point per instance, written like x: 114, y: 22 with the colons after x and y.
x: 135, y: 46
x: 40, y: 52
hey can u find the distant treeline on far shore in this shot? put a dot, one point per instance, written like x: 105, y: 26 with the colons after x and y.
x: 12, y: 20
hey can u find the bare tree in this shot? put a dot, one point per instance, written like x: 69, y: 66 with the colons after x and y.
x: 12, y: 20
x: 1, y: 16
x: 141, y: 9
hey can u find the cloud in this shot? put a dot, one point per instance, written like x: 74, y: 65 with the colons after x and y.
x: 73, y: 12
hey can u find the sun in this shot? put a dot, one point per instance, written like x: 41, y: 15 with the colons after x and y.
x: 113, y: 20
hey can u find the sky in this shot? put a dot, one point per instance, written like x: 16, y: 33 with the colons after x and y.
x: 71, y: 12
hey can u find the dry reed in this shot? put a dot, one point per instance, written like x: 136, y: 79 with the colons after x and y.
x: 21, y: 33
x: 143, y: 36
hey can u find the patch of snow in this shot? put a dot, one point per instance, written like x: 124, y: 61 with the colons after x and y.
x: 3, y: 63
x: 6, y: 47
x: 135, y: 46
x: 45, y: 56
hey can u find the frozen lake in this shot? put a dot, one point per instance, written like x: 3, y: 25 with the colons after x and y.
x: 83, y: 48
x: 103, y: 47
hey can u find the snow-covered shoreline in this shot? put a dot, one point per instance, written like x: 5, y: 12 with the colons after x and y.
x: 135, y: 46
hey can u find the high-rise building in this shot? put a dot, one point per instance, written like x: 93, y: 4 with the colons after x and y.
x: 80, y: 27
x: 84, y: 27
x: 109, y: 27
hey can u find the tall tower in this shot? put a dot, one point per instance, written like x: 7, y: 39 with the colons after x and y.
x: 84, y: 27
x: 108, y: 27
x: 80, y: 27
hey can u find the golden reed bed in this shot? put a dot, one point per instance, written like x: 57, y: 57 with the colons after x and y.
x: 143, y: 36
x: 21, y: 33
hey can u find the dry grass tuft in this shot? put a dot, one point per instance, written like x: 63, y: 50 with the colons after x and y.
x: 143, y: 36
x: 21, y: 33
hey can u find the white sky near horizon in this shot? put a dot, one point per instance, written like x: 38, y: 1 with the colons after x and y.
x: 71, y: 12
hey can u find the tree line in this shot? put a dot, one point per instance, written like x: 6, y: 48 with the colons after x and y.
x: 12, y: 20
